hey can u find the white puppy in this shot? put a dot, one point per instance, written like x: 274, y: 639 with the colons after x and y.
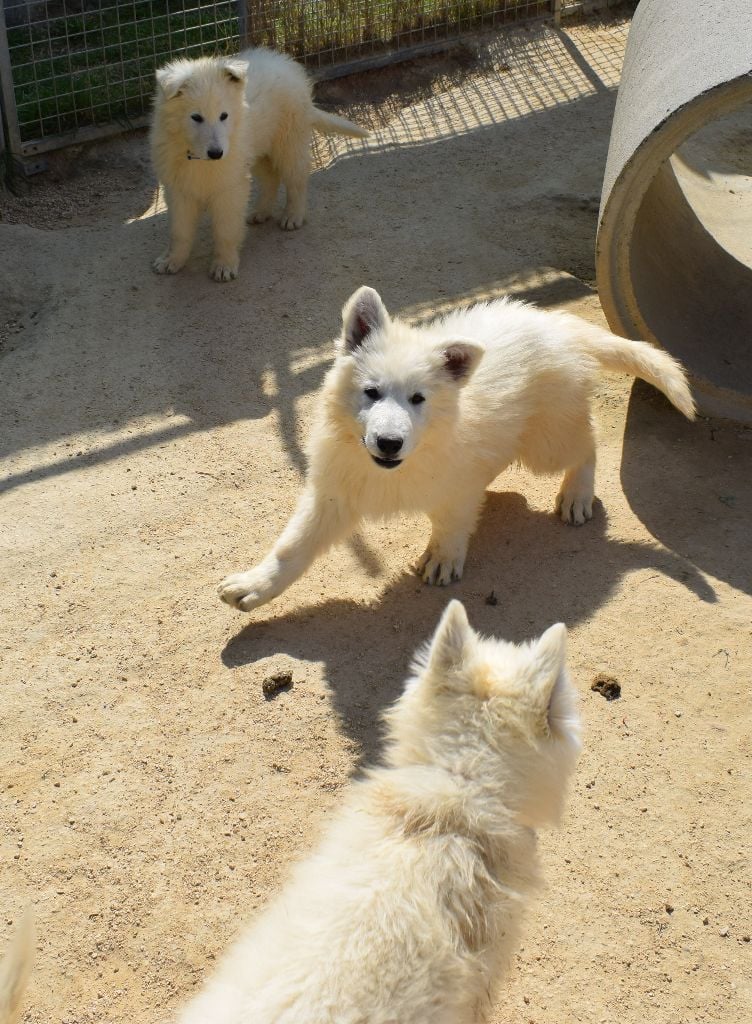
x: 424, y: 418
x: 411, y: 905
x: 15, y: 969
x: 216, y: 118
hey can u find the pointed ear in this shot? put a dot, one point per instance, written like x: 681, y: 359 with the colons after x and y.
x: 363, y: 313
x: 461, y: 358
x: 450, y: 639
x: 236, y: 70
x: 171, y: 80
x: 549, y: 661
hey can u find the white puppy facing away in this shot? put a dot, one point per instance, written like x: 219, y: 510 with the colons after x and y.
x: 215, y: 119
x: 425, y: 418
x: 15, y: 969
x: 411, y: 906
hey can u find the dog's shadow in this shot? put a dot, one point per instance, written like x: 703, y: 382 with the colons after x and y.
x: 525, y: 570
x: 706, y: 463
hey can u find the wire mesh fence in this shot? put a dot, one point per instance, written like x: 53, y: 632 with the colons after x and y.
x: 327, y: 32
x: 74, y: 66
x: 71, y: 70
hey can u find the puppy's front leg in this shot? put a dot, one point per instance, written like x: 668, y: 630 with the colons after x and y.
x: 451, y: 528
x: 183, y: 212
x: 317, y: 523
x: 228, y: 210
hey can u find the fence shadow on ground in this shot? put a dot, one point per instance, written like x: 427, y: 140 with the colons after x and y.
x: 671, y: 467
x: 134, y: 361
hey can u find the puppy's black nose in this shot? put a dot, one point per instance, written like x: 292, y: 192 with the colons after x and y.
x: 214, y: 154
x: 389, y: 445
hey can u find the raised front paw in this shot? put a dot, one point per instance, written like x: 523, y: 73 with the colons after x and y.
x: 441, y: 565
x: 575, y: 508
x: 166, y: 264
x: 244, y: 590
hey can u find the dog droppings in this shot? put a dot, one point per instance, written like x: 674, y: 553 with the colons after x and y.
x: 274, y: 683
x: 607, y: 686
x: 492, y: 599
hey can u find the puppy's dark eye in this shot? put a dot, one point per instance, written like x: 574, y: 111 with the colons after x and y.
x: 372, y: 393
x: 417, y: 398
x: 223, y: 116
x: 197, y: 118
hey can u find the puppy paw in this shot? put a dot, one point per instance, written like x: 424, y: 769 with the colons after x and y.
x: 441, y: 567
x: 291, y: 221
x: 224, y: 271
x: 258, y: 216
x: 166, y: 264
x: 574, y: 508
x: 243, y: 590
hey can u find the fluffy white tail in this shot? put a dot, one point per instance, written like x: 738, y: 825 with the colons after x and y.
x: 15, y: 969
x: 640, y: 359
x: 331, y: 124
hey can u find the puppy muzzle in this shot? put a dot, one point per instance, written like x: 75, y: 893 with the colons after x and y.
x: 386, y: 461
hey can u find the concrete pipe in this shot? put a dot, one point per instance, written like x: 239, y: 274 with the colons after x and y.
x: 674, y: 249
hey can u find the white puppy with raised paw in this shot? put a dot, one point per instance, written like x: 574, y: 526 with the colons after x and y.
x: 425, y: 418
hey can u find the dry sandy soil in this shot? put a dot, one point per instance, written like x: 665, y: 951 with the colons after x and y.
x: 151, y: 797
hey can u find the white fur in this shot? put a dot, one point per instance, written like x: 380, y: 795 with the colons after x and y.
x: 15, y: 969
x: 265, y: 98
x: 411, y: 906
x: 501, y: 381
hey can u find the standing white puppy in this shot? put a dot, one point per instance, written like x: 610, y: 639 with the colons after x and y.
x: 425, y: 418
x: 411, y: 906
x: 214, y: 120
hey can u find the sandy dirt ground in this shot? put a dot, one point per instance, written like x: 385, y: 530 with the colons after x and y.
x: 151, y: 798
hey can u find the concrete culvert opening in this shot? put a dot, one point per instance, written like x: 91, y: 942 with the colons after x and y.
x: 691, y: 270
x: 674, y: 254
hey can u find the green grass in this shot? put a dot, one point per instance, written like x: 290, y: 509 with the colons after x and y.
x: 97, y: 67
x: 329, y: 31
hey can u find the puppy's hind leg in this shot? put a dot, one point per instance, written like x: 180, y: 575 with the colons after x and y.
x: 267, y: 178
x: 317, y: 523
x: 295, y: 174
x: 451, y: 527
x: 574, y: 502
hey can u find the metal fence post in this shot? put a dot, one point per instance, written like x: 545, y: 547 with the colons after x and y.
x: 7, y: 95
x: 243, y: 26
x: 557, y: 12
